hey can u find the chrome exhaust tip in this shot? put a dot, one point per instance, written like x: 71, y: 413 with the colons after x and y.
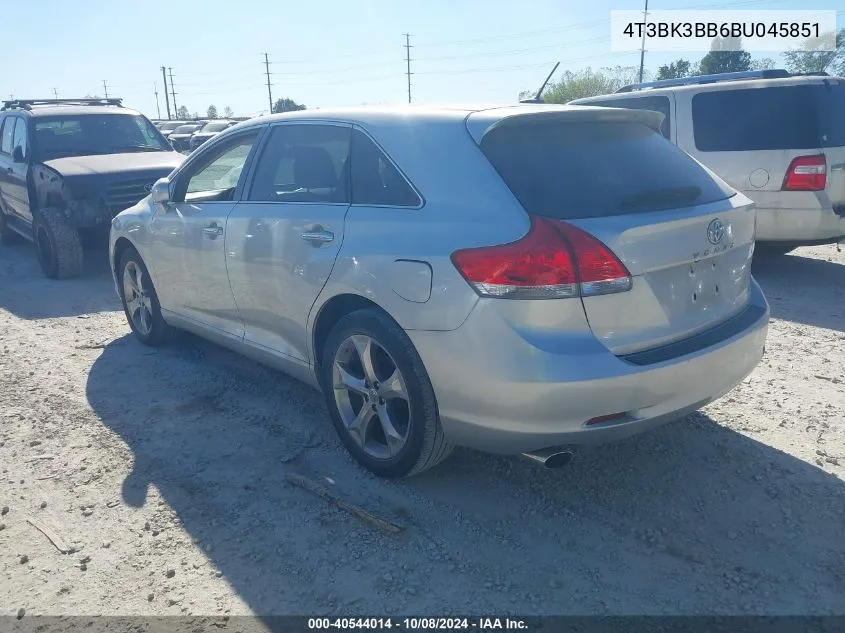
x: 550, y: 457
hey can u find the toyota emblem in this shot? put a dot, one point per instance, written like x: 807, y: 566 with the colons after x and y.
x: 715, y: 231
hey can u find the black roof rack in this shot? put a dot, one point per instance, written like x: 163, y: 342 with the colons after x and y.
x: 27, y: 104
x: 708, y: 79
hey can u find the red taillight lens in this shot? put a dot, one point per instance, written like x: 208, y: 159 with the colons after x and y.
x: 553, y: 261
x: 806, y: 173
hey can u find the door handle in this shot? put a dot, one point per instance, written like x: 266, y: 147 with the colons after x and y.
x: 323, y: 237
x: 213, y: 231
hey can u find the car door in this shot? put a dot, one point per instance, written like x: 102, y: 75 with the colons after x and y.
x: 189, y: 235
x: 17, y: 171
x: 283, y: 238
x: 7, y: 133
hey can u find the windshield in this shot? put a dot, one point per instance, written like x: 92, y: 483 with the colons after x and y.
x: 171, y: 125
x: 95, y: 134
x: 216, y: 127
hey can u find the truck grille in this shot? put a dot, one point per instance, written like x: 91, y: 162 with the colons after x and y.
x: 122, y: 194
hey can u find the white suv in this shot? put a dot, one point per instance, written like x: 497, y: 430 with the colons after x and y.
x: 778, y: 138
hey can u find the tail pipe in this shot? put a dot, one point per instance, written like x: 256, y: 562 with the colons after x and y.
x: 550, y: 457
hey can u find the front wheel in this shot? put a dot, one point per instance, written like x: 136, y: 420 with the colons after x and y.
x: 57, y: 244
x: 140, y: 301
x: 379, y: 396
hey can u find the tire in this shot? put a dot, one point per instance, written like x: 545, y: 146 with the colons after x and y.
x: 57, y: 244
x: 151, y: 329
x: 7, y: 236
x: 413, y: 416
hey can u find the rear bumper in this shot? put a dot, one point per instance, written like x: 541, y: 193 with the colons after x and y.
x: 799, y: 225
x: 511, y: 396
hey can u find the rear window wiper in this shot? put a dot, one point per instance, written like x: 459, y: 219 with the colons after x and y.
x: 663, y: 197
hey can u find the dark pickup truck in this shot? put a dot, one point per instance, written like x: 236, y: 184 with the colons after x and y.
x: 67, y: 167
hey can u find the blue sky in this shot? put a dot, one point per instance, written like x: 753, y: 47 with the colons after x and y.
x: 322, y: 52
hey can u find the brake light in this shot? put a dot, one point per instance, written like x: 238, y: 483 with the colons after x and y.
x: 554, y: 260
x: 806, y: 173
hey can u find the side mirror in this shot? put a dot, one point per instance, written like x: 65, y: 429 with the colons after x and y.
x: 161, y: 191
x: 17, y: 155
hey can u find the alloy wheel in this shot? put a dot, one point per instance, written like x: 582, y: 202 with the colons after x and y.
x: 372, y: 396
x: 139, y: 304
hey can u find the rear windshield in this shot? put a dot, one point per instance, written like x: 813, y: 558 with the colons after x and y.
x: 777, y: 118
x: 595, y: 169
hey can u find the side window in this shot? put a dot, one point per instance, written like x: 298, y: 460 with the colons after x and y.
x: 304, y: 163
x: 20, y: 139
x: 657, y: 104
x: 8, y: 134
x: 216, y: 177
x: 375, y: 181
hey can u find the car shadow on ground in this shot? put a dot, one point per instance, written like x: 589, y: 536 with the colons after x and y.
x: 690, y: 518
x: 794, y: 286
x: 28, y: 294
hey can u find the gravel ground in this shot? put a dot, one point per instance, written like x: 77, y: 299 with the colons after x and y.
x: 164, y: 472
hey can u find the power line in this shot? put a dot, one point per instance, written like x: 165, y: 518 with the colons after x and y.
x: 408, y: 62
x: 269, y: 90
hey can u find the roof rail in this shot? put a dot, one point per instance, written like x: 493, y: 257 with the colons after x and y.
x: 708, y: 79
x: 26, y: 104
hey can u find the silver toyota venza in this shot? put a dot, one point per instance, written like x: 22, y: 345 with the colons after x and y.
x: 517, y: 280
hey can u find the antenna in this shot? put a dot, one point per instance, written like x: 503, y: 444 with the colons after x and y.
x: 538, y: 98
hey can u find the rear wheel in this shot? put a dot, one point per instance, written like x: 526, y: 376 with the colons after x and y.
x: 380, y: 397
x: 57, y: 244
x: 140, y: 301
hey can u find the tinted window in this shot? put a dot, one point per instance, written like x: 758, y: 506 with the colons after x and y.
x: 8, y: 134
x: 95, y: 134
x: 657, y: 104
x: 215, y: 127
x: 185, y: 129
x: 20, y: 139
x: 304, y: 163
x: 216, y: 176
x: 787, y: 117
x: 592, y: 169
x: 374, y: 178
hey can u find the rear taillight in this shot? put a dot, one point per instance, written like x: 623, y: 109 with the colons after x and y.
x: 806, y: 173
x: 554, y: 260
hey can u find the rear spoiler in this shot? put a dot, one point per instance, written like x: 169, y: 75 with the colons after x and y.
x: 484, y: 121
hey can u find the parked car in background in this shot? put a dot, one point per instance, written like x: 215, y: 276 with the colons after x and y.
x: 208, y: 132
x: 778, y: 138
x: 167, y: 127
x: 515, y: 280
x: 67, y: 167
x: 180, y: 138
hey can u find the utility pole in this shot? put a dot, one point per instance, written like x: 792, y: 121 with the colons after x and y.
x: 408, y: 62
x: 166, y: 98
x: 642, y: 46
x: 269, y: 90
x: 106, y: 88
x: 56, y: 94
x: 173, y: 92
x: 158, y: 109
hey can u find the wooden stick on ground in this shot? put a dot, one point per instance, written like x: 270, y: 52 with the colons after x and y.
x: 320, y: 491
x: 54, y: 538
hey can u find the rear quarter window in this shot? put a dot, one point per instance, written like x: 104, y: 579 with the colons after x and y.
x: 775, y: 118
x: 583, y: 169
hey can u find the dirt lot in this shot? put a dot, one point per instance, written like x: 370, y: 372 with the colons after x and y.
x: 165, y: 471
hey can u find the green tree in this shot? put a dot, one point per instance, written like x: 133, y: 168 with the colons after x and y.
x: 811, y: 60
x: 212, y: 111
x: 183, y: 113
x: 764, y: 63
x: 589, y: 83
x: 228, y: 112
x: 677, y: 69
x: 286, y: 105
x: 725, y: 56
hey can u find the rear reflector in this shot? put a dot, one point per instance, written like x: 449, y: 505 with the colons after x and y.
x: 806, y: 173
x: 554, y: 260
